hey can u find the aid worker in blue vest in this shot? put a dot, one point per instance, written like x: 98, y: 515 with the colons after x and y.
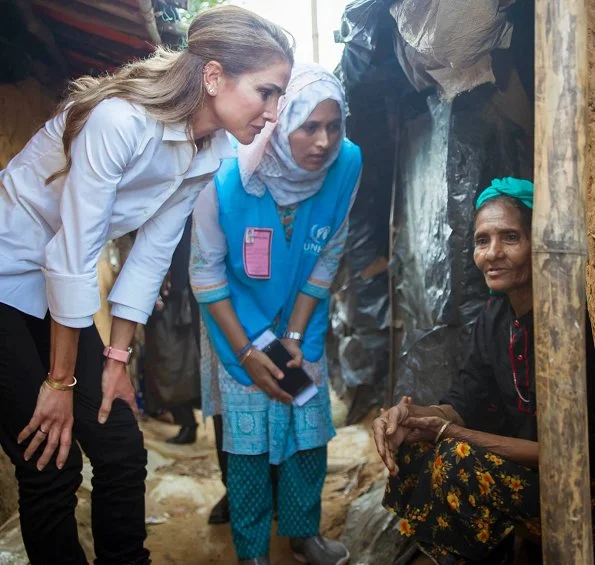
x: 268, y: 237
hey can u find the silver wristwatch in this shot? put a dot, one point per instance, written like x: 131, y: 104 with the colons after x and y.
x: 295, y: 336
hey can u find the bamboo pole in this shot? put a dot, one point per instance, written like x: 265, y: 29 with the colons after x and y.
x: 148, y: 15
x: 315, y: 33
x: 558, y: 279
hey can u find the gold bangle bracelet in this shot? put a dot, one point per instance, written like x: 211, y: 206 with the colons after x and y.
x: 246, y: 355
x: 442, y: 430
x: 55, y: 385
x: 440, y: 409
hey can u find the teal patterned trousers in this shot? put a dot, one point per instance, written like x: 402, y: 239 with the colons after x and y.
x: 250, y: 489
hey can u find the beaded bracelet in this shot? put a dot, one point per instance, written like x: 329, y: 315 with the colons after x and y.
x: 52, y: 383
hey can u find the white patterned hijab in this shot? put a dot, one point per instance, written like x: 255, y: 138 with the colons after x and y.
x: 268, y: 162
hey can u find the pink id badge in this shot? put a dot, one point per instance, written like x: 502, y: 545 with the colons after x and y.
x: 257, y: 252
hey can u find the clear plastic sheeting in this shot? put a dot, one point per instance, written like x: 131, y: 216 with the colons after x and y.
x: 448, y: 43
x: 449, y: 153
x: 424, y: 241
x: 371, y: 533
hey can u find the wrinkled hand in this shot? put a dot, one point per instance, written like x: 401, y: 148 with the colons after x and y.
x: 295, y: 351
x: 265, y: 374
x: 51, y: 423
x: 425, y: 428
x: 389, y: 432
x: 115, y: 383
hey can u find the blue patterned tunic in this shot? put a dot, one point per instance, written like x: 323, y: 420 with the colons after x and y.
x: 253, y: 423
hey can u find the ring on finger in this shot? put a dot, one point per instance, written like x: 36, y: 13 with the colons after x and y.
x: 42, y: 431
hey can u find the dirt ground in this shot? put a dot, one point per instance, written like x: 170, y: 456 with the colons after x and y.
x: 183, y: 484
x: 8, y: 488
x: 183, y: 488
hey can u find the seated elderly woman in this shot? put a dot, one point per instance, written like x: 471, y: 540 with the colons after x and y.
x: 461, y: 496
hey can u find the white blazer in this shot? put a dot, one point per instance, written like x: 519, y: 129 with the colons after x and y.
x: 129, y: 172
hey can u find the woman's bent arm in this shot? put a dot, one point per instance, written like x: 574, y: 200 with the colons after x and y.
x: 302, y: 312
x: 261, y: 369
x: 428, y: 427
x: 226, y: 318
x: 521, y: 451
x: 63, y: 351
x: 50, y: 426
x: 115, y: 382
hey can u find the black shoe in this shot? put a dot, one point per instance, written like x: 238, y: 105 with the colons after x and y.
x: 187, y: 434
x: 220, y: 512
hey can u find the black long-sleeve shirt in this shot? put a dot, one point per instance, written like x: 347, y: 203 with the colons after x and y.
x: 501, y: 348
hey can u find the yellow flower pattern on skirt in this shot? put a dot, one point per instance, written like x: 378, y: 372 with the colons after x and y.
x: 460, y: 503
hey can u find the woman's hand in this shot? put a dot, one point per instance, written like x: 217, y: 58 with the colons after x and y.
x: 115, y: 383
x: 389, y: 432
x: 265, y: 374
x: 52, y: 418
x: 163, y: 293
x: 295, y: 350
x: 425, y: 428
x: 51, y: 423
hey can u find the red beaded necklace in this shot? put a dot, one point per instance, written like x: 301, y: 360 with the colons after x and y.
x: 514, y: 373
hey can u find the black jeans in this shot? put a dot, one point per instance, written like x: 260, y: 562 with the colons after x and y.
x: 47, y: 499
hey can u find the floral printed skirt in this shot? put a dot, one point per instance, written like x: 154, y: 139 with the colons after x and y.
x: 460, y: 502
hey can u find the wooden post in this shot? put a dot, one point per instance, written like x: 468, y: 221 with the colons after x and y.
x: 559, y: 250
x: 148, y: 15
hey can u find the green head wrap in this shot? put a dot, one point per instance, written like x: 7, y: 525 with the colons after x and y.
x: 508, y: 186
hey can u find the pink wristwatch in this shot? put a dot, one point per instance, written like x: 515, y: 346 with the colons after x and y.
x: 118, y: 354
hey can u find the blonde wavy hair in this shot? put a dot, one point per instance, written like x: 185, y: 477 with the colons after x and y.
x: 169, y: 84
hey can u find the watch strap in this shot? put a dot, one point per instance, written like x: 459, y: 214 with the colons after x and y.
x: 122, y: 355
x: 296, y: 336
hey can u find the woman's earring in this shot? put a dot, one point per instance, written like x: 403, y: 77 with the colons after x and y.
x: 211, y: 90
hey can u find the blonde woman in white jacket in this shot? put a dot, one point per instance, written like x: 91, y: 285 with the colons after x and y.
x: 125, y: 152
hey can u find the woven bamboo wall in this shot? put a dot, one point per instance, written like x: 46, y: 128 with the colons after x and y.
x: 24, y: 107
x: 591, y: 167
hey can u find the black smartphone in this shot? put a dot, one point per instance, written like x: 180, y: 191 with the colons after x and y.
x: 296, y: 381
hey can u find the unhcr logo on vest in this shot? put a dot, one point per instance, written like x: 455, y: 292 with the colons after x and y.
x: 317, y: 239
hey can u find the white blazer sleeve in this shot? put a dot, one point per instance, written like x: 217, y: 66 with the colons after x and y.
x: 137, y: 286
x: 100, y: 153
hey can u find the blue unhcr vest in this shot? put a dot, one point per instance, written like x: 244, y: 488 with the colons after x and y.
x: 258, y: 303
